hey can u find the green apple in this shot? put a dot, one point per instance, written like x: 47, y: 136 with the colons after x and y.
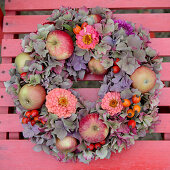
x: 20, y: 61
x: 32, y: 97
x: 144, y: 79
x: 68, y: 144
x: 96, y: 67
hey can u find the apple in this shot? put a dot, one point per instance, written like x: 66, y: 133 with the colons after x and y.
x: 144, y: 79
x: 68, y: 144
x: 97, y: 18
x: 92, y: 129
x: 96, y: 67
x: 59, y: 44
x: 32, y: 97
x: 20, y: 61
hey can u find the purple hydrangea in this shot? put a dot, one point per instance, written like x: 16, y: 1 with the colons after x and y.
x: 120, y: 82
x: 115, y: 82
x: 77, y: 62
x: 123, y: 24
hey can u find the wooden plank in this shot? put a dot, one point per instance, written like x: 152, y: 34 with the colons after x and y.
x: 1, y: 22
x: 9, y: 60
x: 167, y: 136
x: 84, y: 92
x: 8, y: 36
x: 143, y: 155
x: 12, y: 47
x: 11, y: 123
x: 156, y: 22
x: 13, y: 135
x: 116, y: 4
x: 4, y: 73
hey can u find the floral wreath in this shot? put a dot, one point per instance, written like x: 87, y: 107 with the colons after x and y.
x: 75, y: 42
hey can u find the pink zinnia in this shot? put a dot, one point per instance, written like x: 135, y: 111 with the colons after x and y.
x: 61, y: 102
x: 87, y: 38
x: 112, y: 103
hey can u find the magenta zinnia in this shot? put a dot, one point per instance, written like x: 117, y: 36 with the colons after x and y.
x: 112, y: 103
x: 87, y: 38
x: 61, y: 102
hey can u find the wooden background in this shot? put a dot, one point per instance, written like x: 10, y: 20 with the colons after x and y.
x: 16, y: 153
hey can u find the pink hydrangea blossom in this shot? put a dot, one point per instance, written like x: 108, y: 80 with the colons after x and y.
x: 61, y: 102
x: 112, y: 103
x: 87, y: 38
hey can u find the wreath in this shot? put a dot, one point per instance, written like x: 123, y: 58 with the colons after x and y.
x: 75, y: 42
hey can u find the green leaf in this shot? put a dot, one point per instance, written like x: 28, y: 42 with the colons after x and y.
x: 150, y: 52
x: 126, y: 94
x: 128, y: 63
x: 46, y: 149
x: 134, y: 42
x: 140, y: 55
x: 122, y: 47
x: 148, y: 119
x: 79, y: 51
x: 68, y: 27
x: 102, y: 153
x: 37, y: 148
x: 35, y: 79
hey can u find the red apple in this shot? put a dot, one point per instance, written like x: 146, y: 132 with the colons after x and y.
x: 92, y: 129
x: 68, y: 144
x: 32, y: 97
x: 20, y: 61
x: 59, y: 44
x: 96, y: 67
x: 97, y: 18
x: 144, y: 79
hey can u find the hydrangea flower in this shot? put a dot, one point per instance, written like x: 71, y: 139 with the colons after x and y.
x: 61, y: 102
x: 87, y: 38
x: 121, y: 81
x: 123, y: 24
x: 112, y: 103
x: 77, y: 62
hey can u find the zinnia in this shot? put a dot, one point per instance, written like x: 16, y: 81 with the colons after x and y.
x: 61, y: 102
x: 87, y: 38
x: 112, y: 103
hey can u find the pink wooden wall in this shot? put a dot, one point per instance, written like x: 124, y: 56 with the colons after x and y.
x: 17, y: 154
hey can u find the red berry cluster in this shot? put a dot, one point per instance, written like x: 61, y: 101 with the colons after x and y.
x: 116, y: 68
x: 32, y: 116
x: 95, y: 146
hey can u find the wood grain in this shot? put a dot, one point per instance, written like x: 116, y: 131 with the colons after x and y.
x: 156, y: 22
x: 12, y: 47
x: 143, y: 155
x: 4, y: 73
x: 84, y: 92
x: 11, y: 123
x: 115, y: 4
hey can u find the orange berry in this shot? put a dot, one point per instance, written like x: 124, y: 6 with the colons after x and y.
x: 25, y: 120
x: 36, y: 119
x: 130, y: 113
x: 136, y: 108
x: 126, y: 102
x: 76, y: 29
x: 136, y: 99
x: 84, y: 25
